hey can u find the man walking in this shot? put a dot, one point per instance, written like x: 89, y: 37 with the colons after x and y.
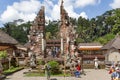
x: 47, y: 70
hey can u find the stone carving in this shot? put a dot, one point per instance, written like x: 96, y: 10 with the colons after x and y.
x: 37, y: 33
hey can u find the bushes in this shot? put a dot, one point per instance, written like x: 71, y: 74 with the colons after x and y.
x: 40, y: 62
x: 54, y: 67
x: 3, y: 54
x: 13, y: 62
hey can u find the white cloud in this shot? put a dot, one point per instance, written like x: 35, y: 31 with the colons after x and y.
x: 27, y: 10
x: 115, y: 4
x: 70, y: 8
x: 9, y: 14
x: 71, y: 12
x: 27, y: 6
x: 55, y: 12
x: 21, y: 10
x: 48, y: 8
x: 84, y: 15
x: 83, y: 3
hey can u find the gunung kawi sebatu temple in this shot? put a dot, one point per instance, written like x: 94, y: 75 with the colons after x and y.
x: 40, y: 53
x: 57, y: 49
x: 64, y: 48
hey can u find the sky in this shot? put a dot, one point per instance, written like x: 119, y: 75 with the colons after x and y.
x: 11, y: 10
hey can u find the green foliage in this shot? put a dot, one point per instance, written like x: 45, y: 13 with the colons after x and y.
x: 53, y: 64
x: 54, y: 67
x: 48, y: 35
x: 116, y: 29
x: 52, y: 29
x: 40, y: 62
x: 101, y: 40
x: 3, y: 54
x: 35, y: 74
x: 19, y: 32
x: 79, y: 40
x: 12, y: 69
x: 99, y: 28
x: 105, y: 39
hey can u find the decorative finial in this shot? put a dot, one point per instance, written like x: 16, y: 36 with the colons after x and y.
x: 62, y: 2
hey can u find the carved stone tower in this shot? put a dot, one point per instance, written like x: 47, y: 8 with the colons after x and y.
x: 64, y: 29
x: 37, y: 34
x: 67, y: 31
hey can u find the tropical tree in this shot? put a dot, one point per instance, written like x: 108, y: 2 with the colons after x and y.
x: 19, y: 32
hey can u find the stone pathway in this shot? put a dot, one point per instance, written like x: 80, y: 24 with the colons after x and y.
x: 91, y: 74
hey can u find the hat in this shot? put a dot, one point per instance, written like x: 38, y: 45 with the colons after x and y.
x: 117, y: 68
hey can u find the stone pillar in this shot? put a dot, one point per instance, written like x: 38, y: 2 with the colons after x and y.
x: 62, y: 43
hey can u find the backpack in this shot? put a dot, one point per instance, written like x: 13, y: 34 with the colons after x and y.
x: 47, y: 67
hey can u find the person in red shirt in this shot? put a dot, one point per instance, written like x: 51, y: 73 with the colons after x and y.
x: 78, y: 67
x: 77, y: 70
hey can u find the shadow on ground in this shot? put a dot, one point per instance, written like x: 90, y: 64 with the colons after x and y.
x: 53, y: 79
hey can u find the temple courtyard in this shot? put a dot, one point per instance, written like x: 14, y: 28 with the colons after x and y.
x: 91, y: 74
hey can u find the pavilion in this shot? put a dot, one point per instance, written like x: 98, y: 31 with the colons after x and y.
x: 112, y: 50
x: 91, y: 50
x: 6, y: 41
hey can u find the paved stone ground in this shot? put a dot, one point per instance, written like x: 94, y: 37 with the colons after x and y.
x: 91, y: 74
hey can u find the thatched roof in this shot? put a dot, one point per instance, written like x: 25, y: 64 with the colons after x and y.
x: 27, y: 45
x: 90, y: 44
x: 115, y: 43
x: 6, y: 39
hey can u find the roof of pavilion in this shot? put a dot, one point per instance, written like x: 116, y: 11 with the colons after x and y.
x: 114, y: 43
x: 21, y: 47
x: 27, y: 45
x: 89, y: 46
x: 6, y: 39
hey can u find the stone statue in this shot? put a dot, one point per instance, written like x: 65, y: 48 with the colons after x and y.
x: 32, y: 59
x: 96, y: 63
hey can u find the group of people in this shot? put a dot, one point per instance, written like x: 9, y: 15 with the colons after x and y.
x: 54, y: 51
x: 115, y: 72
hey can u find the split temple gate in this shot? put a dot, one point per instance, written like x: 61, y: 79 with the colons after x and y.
x: 37, y: 41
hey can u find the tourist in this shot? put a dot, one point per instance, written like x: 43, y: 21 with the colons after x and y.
x: 53, y: 52
x: 112, y: 69
x: 96, y: 63
x: 49, y: 52
x: 77, y: 70
x: 47, y: 70
x: 116, y: 75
